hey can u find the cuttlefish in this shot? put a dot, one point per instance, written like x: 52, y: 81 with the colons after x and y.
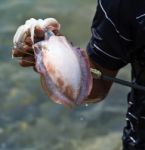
x: 64, y: 69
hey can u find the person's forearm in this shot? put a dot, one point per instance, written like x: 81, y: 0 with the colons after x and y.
x: 100, y: 87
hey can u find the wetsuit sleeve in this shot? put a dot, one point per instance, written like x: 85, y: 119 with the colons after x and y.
x: 111, y: 38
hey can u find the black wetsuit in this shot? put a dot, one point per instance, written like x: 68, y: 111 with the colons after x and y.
x: 118, y: 38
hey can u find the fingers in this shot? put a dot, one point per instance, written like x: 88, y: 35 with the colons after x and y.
x: 28, y: 41
x: 57, y: 33
x: 39, y: 34
x: 27, y: 61
x: 25, y: 51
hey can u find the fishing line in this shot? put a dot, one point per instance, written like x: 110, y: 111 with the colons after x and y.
x: 98, y: 75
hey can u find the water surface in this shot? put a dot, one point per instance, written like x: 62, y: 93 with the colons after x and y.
x: 28, y: 119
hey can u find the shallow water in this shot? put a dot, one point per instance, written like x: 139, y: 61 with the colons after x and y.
x: 28, y: 119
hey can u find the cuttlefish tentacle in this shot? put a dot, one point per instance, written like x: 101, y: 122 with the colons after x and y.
x: 29, y: 27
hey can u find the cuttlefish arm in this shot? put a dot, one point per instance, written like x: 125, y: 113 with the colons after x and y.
x: 29, y: 28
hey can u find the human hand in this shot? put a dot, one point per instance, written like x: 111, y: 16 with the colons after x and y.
x: 25, y: 52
